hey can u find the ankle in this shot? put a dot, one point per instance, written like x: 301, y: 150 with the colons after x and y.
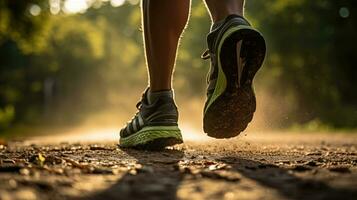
x: 152, y: 96
x: 216, y: 25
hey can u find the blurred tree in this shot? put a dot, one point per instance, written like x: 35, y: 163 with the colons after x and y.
x: 20, y: 33
x: 23, y: 21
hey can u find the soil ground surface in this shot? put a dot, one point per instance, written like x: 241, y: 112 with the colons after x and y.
x: 256, y: 166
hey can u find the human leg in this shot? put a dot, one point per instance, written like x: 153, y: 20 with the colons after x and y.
x: 155, y: 124
x: 163, y: 23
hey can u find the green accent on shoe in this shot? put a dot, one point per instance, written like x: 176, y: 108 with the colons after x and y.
x: 222, y: 80
x: 149, y: 134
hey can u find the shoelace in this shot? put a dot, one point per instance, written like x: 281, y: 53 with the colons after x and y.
x: 138, y: 106
x: 206, y: 55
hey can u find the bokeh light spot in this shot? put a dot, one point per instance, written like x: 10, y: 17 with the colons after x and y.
x: 35, y: 10
x: 74, y: 6
x: 117, y: 3
x: 344, y: 12
x: 55, y: 7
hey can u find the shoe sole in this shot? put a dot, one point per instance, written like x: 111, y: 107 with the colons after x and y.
x: 153, y: 138
x: 233, y: 103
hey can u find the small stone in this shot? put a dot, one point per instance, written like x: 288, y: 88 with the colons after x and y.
x: 12, y: 183
x: 133, y: 172
x: 283, y: 162
x: 96, y: 147
x: 217, y: 167
x: 8, y: 161
x: 24, y: 171
x: 58, y: 171
x: 75, y: 148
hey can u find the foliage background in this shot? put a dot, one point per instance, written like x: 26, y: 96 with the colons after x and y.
x: 62, y: 68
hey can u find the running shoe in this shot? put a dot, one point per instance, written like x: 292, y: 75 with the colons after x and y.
x: 236, y: 51
x: 154, y: 126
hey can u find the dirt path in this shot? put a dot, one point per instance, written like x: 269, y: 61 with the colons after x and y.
x: 258, y: 166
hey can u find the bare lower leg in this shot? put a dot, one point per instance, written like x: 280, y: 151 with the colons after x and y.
x: 163, y: 23
x: 219, y: 9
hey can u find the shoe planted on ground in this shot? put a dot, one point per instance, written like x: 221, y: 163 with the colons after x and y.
x: 154, y: 126
x: 237, y: 52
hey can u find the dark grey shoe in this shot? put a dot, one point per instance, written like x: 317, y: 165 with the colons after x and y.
x: 154, y: 126
x: 237, y: 52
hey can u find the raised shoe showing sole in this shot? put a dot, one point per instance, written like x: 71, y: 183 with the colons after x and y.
x: 229, y: 109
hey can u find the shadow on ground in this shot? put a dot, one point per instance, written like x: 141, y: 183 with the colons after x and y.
x: 161, y: 175
x: 157, y: 178
x: 285, y: 182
